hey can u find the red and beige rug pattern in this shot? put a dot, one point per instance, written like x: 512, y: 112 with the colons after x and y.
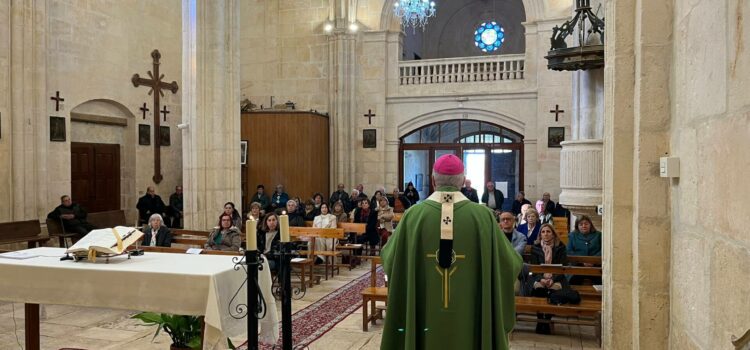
x: 318, y: 318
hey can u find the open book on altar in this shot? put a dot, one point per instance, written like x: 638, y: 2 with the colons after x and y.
x: 106, y: 241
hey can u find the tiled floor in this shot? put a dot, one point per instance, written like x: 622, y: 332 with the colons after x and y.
x: 88, y: 328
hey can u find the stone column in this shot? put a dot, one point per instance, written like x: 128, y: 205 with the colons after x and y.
x: 25, y: 131
x: 211, y: 109
x: 637, y: 211
x: 341, y: 65
x: 581, y: 158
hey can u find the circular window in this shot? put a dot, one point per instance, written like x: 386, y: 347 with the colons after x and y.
x: 489, y: 36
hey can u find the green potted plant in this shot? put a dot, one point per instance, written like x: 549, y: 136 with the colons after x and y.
x: 185, y: 331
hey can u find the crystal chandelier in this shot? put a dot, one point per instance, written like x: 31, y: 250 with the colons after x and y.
x: 414, y: 13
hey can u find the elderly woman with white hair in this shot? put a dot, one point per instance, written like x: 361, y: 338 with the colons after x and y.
x: 156, y: 234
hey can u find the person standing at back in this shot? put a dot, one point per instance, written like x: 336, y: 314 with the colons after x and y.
x: 493, y: 198
x: 464, y: 268
x: 149, y: 204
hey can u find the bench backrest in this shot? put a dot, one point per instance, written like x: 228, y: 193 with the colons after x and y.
x: 183, y: 251
x: 317, y: 232
x: 177, y: 232
x: 581, y: 259
x: 359, y: 229
x: 107, y: 219
x: 19, y: 230
x: 54, y: 227
x: 566, y: 270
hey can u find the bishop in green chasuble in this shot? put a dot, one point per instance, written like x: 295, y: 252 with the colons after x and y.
x: 461, y: 297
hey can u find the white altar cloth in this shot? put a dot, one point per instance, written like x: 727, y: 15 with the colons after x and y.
x: 182, y: 284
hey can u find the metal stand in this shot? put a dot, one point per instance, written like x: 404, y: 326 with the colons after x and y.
x: 285, y: 272
x: 255, y: 308
x: 252, y: 298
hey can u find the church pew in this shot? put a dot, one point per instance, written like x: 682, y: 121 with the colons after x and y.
x: 357, y: 229
x: 590, y: 306
x: 590, y: 310
x: 28, y: 232
x: 177, y: 232
x: 183, y: 250
x: 575, y: 259
x: 56, y: 229
x: 325, y: 233
x: 107, y: 219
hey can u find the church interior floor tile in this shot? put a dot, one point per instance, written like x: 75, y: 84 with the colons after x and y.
x: 107, y: 329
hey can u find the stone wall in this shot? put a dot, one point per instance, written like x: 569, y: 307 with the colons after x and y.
x: 284, y: 53
x: 88, y: 51
x: 710, y: 133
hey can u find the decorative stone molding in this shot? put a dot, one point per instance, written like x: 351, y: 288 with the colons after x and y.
x: 581, y: 170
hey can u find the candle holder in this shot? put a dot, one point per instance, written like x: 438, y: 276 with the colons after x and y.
x: 255, y: 309
x: 286, y: 253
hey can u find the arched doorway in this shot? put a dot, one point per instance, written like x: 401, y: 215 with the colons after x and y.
x: 489, y: 151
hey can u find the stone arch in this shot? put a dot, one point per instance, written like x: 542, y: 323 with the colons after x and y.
x: 110, y: 122
x: 499, y: 118
x: 534, y: 11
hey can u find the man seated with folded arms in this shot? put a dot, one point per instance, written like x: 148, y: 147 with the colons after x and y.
x: 72, y: 216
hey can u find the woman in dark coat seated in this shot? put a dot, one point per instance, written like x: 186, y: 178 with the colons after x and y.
x: 366, y: 215
x: 585, y: 240
x: 547, y: 249
x: 156, y: 234
x: 269, y: 238
x: 411, y: 193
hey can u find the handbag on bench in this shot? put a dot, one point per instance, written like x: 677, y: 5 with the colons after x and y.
x: 564, y: 296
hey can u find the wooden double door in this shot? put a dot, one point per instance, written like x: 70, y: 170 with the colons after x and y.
x: 95, y: 176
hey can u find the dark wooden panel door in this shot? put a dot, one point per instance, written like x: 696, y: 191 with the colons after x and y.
x: 95, y: 176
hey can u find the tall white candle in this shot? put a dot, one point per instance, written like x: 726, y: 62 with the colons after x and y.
x: 251, y: 239
x: 284, y: 227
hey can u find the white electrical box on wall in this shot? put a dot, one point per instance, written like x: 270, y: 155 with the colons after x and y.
x: 669, y: 167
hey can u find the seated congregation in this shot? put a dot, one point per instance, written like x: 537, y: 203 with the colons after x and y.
x: 550, y: 258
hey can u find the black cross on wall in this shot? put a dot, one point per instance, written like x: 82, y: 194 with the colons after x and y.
x: 369, y: 116
x: 57, y: 100
x: 557, y: 111
x: 144, y: 109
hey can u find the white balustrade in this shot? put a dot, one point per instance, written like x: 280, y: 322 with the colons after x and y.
x: 461, y: 70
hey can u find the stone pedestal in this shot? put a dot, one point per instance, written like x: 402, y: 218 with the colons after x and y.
x: 581, y: 169
x: 211, y: 110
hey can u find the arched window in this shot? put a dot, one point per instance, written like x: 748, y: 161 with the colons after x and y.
x: 490, y: 153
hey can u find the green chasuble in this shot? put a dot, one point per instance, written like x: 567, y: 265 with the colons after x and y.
x: 469, y: 305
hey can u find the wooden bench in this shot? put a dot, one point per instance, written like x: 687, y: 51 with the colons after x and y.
x: 55, y: 229
x: 28, y: 232
x: 107, y: 219
x: 373, y: 294
x: 325, y: 233
x: 590, y: 306
x: 589, y: 309
x: 182, y: 250
x: 357, y: 229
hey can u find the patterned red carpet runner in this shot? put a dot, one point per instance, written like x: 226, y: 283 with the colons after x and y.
x: 318, y: 318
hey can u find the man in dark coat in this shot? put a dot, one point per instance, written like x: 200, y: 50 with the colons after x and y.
x: 496, y: 201
x: 149, y: 204
x: 175, y: 206
x: 72, y: 216
x: 470, y: 192
x: 340, y: 195
x: 519, y: 202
